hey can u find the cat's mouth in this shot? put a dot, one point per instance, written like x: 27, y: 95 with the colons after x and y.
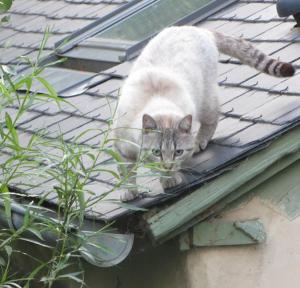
x: 168, y: 171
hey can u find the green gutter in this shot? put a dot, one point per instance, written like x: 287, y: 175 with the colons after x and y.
x: 206, y: 200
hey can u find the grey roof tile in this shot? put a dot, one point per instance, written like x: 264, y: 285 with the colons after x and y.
x: 239, y: 74
x: 79, y: 10
x: 289, y: 53
x: 215, y: 156
x: 31, y: 40
x: 247, y: 10
x: 225, y: 12
x: 6, y: 34
x: 24, y: 118
x: 267, y: 14
x: 228, y: 93
x: 15, y: 20
x: 47, y: 7
x: 283, y: 31
x: 274, y: 109
x: 223, y: 68
x: 228, y: 127
x: 121, y: 70
x: 30, y: 18
x: 7, y: 55
x: 46, y: 188
x: 107, y: 9
x: 253, y: 135
x: 34, y: 54
x: 90, y: 105
x: 70, y: 25
x: 50, y: 107
x: 43, y: 123
x: 263, y: 81
x: 66, y: 125
x: 107, y: 88
x: 22, y: 6
x: 271, y: 48
x: 40, y: 24
x: 290, y: 85
x: 61, y: 79
x: 89, y: 133
x: 247, y: 102
x: 216, y: 24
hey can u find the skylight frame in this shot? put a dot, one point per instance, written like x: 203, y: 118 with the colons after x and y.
x: 90, y: 47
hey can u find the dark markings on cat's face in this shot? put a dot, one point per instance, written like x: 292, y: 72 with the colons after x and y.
x: 167, y: 141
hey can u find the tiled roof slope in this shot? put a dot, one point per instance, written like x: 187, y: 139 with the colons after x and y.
x: 256, y: 108
x: 29, y: 19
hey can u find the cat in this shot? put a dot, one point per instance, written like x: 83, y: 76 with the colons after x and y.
x: 168, y: 107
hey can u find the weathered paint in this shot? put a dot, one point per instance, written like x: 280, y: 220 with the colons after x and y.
x: 169, y: 222
x: 254, y: 229
x: 283, y: 191
x: 274, y: 264
x: 224, y: 233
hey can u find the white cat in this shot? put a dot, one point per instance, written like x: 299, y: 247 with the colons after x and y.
x: 169, y: 102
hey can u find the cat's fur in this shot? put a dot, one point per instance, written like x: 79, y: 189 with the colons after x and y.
x: 169, y: 102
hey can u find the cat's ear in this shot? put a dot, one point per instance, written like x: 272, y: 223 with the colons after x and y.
x: 148, y: 123
x: 185, y: 124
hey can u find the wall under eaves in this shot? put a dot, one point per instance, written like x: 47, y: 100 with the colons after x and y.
x: 274, y: 263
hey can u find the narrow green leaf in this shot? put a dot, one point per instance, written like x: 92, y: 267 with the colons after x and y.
x: 7, y: 204
x: 8, y: 250
x: 35, y: 242
x: 12, y: 130
x: 5, y: 5
x: 48, y: 86
x: 2, y: 261
x: 36, y: 233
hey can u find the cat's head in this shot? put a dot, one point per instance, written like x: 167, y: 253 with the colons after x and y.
x: 168, y: 140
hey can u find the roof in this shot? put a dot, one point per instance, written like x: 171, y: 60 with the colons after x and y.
x: 256, y: 108
x: 22, y: 35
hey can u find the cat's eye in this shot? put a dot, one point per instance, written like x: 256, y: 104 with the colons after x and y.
x: 178, y: 152
x: 156, y: 152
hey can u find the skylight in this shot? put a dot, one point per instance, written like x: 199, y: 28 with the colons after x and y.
x: 129, y: 32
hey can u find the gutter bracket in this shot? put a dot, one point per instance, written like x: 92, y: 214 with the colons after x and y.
x: 223, y: 233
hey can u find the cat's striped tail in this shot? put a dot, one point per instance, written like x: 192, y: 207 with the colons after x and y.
x: 248, y: 54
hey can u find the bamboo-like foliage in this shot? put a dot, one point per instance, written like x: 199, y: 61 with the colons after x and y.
x: 70, y: 171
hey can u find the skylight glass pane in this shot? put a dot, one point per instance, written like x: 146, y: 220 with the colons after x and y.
x: 152, y: 19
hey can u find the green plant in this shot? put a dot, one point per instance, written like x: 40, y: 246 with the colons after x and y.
x: 70, y: 165
x: 4, y: 6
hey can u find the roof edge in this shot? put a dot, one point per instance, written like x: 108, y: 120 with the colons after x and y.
x: 215, y: 195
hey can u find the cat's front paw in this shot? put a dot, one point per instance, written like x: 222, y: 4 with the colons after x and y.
x: 197, y: 149
x: 200, y: 146
x: 171, y: 181
x: 203, y: 144
x: 129, y: 195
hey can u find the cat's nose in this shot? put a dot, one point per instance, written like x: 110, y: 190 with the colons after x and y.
x: 168, y: 166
